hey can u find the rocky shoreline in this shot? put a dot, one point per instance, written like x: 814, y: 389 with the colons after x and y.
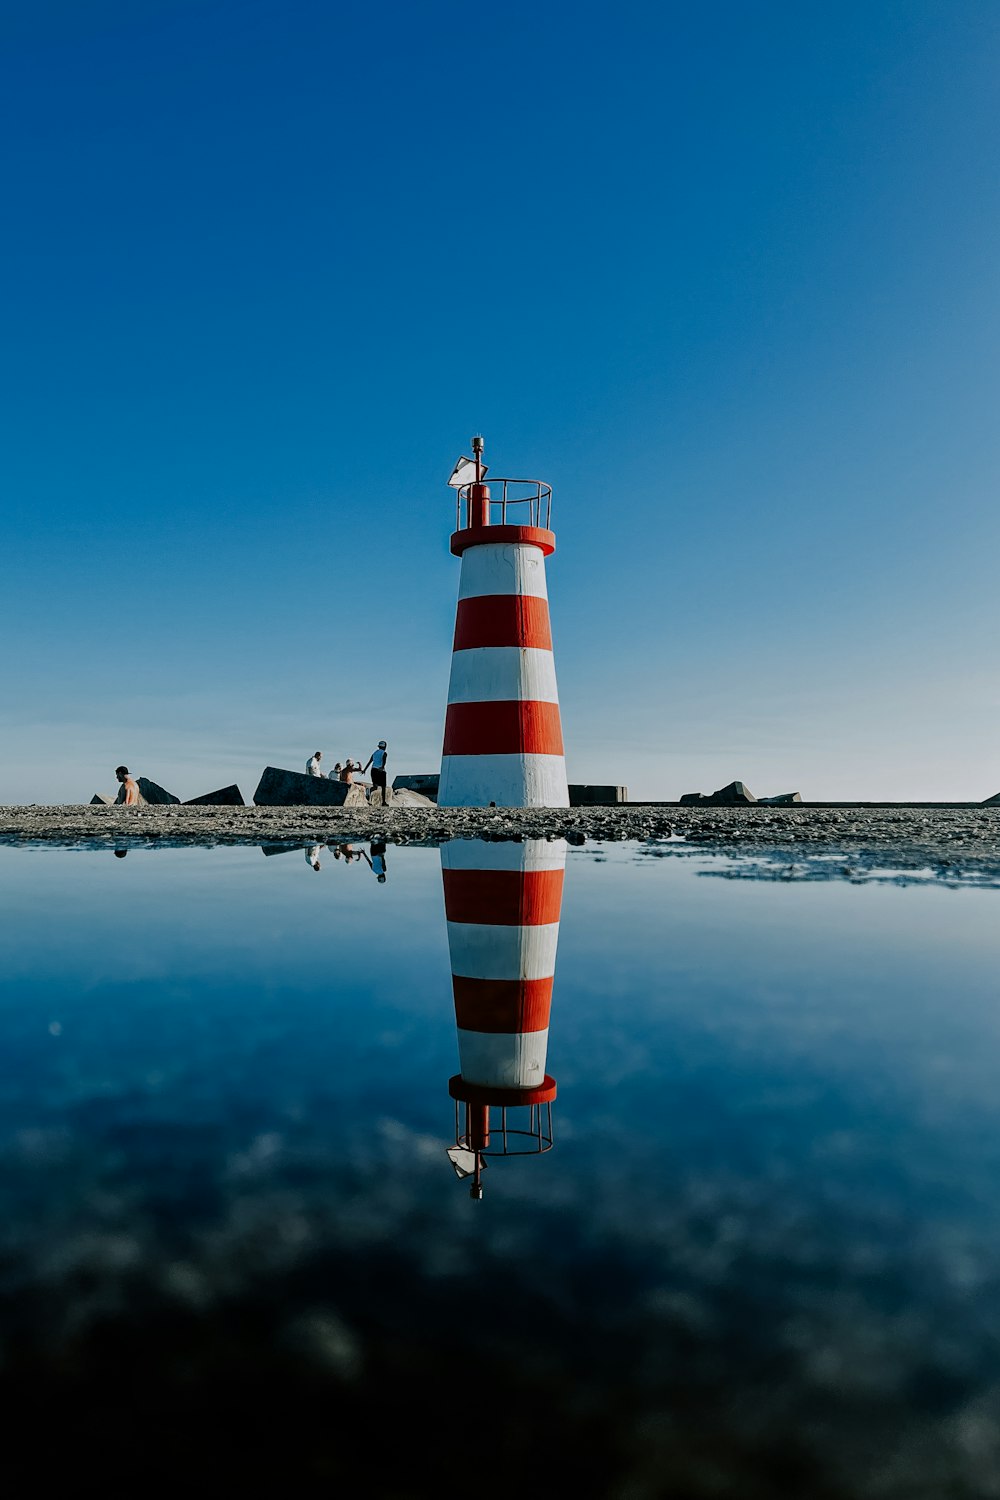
x: 961, y: 843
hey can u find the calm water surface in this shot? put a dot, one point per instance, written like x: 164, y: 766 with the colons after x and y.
x: 762, y: 1257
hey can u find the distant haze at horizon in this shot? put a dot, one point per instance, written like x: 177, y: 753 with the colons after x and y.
x: 730, y: 287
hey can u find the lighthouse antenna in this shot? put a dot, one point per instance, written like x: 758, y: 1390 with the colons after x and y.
x: 477, y: 448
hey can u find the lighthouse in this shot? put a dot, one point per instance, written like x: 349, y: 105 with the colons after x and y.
x: 502, y: 905
x: 503, y: 742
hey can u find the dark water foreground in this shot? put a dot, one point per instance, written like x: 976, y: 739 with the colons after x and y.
x: 762, y: 1258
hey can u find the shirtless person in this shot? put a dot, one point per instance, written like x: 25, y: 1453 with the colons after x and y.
x: 348, y: 769
x: 131, y: 797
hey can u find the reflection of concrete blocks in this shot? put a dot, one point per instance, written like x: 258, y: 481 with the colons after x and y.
x: 427, y: 785
x: 99, y: 800
x: 597, y: 796
x: 278, y: 788
x: 227, y: 796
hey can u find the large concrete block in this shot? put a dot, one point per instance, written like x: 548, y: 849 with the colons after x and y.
x: 278, y: 788
x: 227, y: 796
x: 99, y: 800
x: 150, y: 791
x: 597, y: 796
x: 426, y: 785
x: 736, y: 794
x: 783, y: 799
x: 992, y: 801
x: 403, y: 797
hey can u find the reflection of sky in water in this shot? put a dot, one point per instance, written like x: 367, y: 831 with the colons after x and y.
x: 766, y: 1234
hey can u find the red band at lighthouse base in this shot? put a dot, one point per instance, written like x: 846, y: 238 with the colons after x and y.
x: 511, y: 727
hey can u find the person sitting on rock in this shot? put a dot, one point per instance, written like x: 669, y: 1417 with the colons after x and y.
x: 348, y: 769
x: 129, y: 788
x: 312, y: 764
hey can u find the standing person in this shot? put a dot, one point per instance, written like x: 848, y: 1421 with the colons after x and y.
x: 312, y: 764
x: 377, y: 761
x: 131, y: 791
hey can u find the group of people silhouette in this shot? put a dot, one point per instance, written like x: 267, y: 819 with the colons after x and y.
x: 374, y: 856
x: 346, y: 770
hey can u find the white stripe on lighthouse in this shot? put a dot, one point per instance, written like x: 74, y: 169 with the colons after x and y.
x: 490, y: 674
x: 525, y: 780
x: 479, y: 951
x: 508, y: 854
x: 503, y: 568
x: 492, y: 1060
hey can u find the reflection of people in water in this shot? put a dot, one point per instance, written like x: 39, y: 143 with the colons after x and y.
x: 312, y: 856
x: 377, y: 861
x: 120, y: 853
x: 346, y: 852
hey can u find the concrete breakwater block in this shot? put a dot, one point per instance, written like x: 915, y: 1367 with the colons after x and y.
x: 99, y: 800
x: 783, y: 799
x: 597, y: 796
x: 992, y: 801
x: 736, y: 794
x: 278, y: 788
x: 404, y: 797
x: 150, y: 791
x: 426, y: 785
x: 227, y: 796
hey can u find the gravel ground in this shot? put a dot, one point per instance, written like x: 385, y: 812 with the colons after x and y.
x: 956, y: 844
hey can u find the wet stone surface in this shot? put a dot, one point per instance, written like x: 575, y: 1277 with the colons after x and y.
x: 952, y: 844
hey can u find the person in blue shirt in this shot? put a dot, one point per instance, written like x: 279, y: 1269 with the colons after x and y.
x: 377, y: 861
x: 377, y: 761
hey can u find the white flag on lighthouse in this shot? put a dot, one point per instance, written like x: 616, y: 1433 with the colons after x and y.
x: 464, y: 472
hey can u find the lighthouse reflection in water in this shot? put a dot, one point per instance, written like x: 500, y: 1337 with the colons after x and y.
x: 502, y: 904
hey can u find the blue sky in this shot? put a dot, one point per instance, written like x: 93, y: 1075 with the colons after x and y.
x: 725, y: 275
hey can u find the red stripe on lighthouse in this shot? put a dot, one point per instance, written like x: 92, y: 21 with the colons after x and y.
x: 502, y: 1006
x: 503, y: 620
x: 504, y: 728
x: 503, y: 898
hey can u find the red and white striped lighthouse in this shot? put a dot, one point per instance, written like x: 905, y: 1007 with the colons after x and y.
x: 503, y: 736
x: 502, y: 904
